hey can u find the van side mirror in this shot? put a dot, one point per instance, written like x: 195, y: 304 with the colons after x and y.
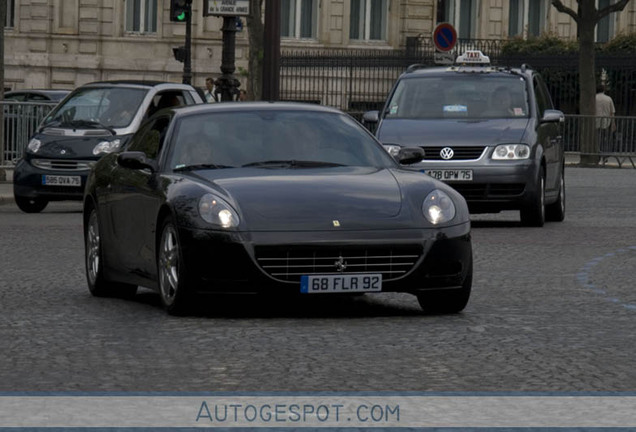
x: 552, y: 116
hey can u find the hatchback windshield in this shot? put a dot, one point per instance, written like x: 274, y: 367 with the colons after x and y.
x: 108, y: 106
x: 274, y: 138
x: 474, y: 96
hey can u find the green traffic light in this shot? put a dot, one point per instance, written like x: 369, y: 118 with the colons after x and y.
x: 181, y: 16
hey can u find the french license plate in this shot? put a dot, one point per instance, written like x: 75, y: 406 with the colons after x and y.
x: 451, y: 174
x: 55, y: 180
x: 340, y: 283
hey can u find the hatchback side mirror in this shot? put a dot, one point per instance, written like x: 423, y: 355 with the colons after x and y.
x: 371, y: 116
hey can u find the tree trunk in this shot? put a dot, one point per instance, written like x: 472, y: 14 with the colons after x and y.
x: 587, y: 81
x: 255, y: 30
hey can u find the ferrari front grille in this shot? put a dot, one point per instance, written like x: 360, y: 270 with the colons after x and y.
x: 290, y: 263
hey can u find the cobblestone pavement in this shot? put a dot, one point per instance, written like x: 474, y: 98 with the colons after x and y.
x: 553, y: 309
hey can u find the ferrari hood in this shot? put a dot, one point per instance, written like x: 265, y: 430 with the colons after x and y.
x: 452, y: 132
x: 308, y: 197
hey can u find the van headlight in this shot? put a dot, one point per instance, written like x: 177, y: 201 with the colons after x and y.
x: 216, y: 211
x: 106, y: 147
x: 511, y: 152
x: 392, y: 149
x: 438, y: 207
x: 34, y: 145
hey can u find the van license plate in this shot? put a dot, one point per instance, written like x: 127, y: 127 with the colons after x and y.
x: 451, y: 174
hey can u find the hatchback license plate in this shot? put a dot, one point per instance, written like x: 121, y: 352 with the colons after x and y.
x: 317, y: 284
x: 55, y: 180
x: 451, y: 174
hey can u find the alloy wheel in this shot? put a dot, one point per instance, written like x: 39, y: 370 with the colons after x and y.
x: 169, y: 265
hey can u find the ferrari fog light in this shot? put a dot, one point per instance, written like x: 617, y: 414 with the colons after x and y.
x: 438, y: 207
x: 34, y: 145
x: 511, y: 152
x: 217, y: 212
x: 106, y: 147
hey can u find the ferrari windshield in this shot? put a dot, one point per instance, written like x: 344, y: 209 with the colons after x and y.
x: 112, y: 107
x: 268, y: 139
x: 459, y: 95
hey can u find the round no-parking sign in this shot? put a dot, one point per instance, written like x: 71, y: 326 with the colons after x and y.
x: 444, y: 37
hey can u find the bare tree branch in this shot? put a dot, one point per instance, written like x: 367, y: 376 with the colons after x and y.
x: 612, y: 7
x: 563, y: 8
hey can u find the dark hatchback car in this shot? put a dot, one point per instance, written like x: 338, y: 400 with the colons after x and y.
x: 95, y: 119
x: 23, y: 112
x: 272, y: 198
x: 490, y: 132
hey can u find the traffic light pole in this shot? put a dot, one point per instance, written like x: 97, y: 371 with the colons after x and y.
x: 227, y: 84
x: 187, y: 62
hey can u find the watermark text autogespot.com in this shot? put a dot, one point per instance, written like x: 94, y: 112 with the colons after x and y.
x: 323, y: 413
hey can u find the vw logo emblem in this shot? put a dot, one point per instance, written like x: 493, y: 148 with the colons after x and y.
x: 63, y: 152
x: 447, y: 153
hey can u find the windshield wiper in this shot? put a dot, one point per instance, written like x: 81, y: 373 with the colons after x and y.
x: 90, y: 123
x: 200, y: 167
x: 291, y: 163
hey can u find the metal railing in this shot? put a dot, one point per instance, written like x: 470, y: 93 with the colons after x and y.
x: 605, y: 137
x: 21, y: 119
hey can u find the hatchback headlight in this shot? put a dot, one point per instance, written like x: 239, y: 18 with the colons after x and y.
x: 511, y: 152
x: 34, y: 145
x: 106, y: 147
x: 438, y: 207
x: 216, y: 211
x: 392, y: 149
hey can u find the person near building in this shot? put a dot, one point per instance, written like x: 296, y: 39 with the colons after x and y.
x: 605, y: 124
x: 209, y: 92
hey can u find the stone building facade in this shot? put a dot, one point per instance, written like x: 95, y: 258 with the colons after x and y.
x: 66, y: 43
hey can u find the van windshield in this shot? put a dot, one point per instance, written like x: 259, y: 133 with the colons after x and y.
x: 107, y: 106
x: 474, y: 96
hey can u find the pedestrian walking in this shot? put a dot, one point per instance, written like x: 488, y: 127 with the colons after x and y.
x: 605, y: 124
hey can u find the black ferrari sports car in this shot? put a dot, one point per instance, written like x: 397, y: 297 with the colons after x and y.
x: 280, y: 198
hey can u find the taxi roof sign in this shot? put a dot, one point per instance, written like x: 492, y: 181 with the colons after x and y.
x: 473, y: 57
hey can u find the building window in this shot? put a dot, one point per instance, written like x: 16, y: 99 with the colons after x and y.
x: 10, y: 19
x: 462, y: 14
x: 515, y: 18
x: 537, y: 11
x: 368, y: 20
x: 605, y: 27
x: 141, y: 16
x: 298, y: 18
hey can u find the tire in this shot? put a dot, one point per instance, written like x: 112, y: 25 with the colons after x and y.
x: 555, y: 212
x: 533, y: 213
x: 173, y: 289
x: 31, y: 205
x: 97, y: 285
x: 450, y: 301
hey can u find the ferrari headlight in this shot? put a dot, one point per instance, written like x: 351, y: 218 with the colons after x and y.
x: 216, y: 211
x: 106, y: 147
x: 392, y: 149
x: 511, y: 152
x: 34, y: 145
x: 438, y: 207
